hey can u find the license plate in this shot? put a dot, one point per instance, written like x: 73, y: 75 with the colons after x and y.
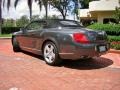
x: 102, y: 48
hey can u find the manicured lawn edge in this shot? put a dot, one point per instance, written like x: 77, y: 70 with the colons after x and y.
x: 5, y: 35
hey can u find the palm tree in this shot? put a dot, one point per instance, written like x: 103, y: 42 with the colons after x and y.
x: 63, y: 6
x: 40, y: 3
x: 45, y: 3
x: 119, y: 3
x: 0, y: 15
x: 29, y: 5
x: 2, y: 2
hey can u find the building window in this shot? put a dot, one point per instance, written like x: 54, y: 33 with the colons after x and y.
x: 87, y: 22
x: 109, y: 20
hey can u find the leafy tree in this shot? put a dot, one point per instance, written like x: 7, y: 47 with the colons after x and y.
x: 85, y: 3
x: 62, y: 6
x: 76, y: 7
x: 51, y: 17
x: 22, y: 21
x: 8, y: 23
x: 80, y: 4
x: 35, y: 17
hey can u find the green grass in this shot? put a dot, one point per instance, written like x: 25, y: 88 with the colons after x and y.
x: 5, y: 35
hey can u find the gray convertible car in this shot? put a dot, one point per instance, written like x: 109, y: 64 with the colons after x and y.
x: 60, y: 39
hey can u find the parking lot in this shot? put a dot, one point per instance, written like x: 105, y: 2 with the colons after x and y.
x: 26, y: 71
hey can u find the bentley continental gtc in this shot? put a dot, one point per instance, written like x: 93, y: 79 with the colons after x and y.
x: 60, y: 39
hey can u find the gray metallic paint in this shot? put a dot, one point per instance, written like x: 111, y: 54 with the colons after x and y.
x: 33, y: 41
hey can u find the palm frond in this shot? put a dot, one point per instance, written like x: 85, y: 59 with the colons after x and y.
x: 0, y: 2
x: 39, y: 2
x: 8, y: 4
x: 16, y: 3
x: 30, y: 7
x: 0, y: 14
x: 3, y: 3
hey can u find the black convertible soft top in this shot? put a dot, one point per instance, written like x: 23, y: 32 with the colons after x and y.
x: 53, y: 23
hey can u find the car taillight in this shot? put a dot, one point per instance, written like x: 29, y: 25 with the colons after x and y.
x: 80, y: 38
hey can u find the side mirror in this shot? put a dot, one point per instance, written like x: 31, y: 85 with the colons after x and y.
x: 23, y: 30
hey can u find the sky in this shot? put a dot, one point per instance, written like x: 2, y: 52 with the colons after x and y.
x: 22, y: 9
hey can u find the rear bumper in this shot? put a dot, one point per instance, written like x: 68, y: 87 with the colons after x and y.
x: 77, y: 52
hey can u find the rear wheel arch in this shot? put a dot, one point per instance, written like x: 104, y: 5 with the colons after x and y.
x: 50, y: 40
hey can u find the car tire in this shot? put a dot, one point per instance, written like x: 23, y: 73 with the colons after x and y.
x: 50, y: 54
x: 15, y: 44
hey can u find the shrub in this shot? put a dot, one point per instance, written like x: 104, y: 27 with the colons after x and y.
x: 114, y: 38
x: 115, y: 46
x: 9, y: 30
x: 115, y: 42
x: 111, y: 29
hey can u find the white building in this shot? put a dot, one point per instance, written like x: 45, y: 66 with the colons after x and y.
x: 102, y: 11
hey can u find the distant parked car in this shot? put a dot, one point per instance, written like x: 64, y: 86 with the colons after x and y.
x: 60, y: 39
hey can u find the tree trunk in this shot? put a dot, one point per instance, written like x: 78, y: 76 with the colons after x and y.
x: 31, y: 13
x: 46, y: 9
x: 119, y: 3
x: 64, y: 16
x: 0, y: 17
x: 30, y: 8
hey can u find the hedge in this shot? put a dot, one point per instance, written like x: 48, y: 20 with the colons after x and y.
x: 114, y: 38
x: 115, y: 42
x: 9, y: 30
x: 111, y: 29
x: 115, y: 46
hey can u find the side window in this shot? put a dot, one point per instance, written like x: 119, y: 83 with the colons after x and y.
x: 36, y: 26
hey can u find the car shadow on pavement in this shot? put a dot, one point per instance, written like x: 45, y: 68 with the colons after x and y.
x: 33, y: 55
x: 81, y: 64
x: 88, y: 64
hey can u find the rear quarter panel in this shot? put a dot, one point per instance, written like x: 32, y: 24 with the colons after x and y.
x: 62, y: 40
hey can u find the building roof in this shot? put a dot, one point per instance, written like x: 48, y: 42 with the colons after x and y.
x: 99, y: 6
x: 103, y: 5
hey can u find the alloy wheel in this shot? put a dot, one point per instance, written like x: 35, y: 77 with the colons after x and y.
x: 49, y: 53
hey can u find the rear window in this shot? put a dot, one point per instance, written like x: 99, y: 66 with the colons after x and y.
x: 62, y: 23
x: 69, y: 23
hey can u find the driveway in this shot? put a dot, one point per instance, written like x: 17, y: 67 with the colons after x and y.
x: 25, y: 71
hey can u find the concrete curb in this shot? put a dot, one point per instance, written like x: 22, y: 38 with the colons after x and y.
x: 5, y: 37
x: 114, y: 51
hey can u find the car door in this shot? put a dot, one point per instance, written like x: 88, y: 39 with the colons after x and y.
x: 31, y: 38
